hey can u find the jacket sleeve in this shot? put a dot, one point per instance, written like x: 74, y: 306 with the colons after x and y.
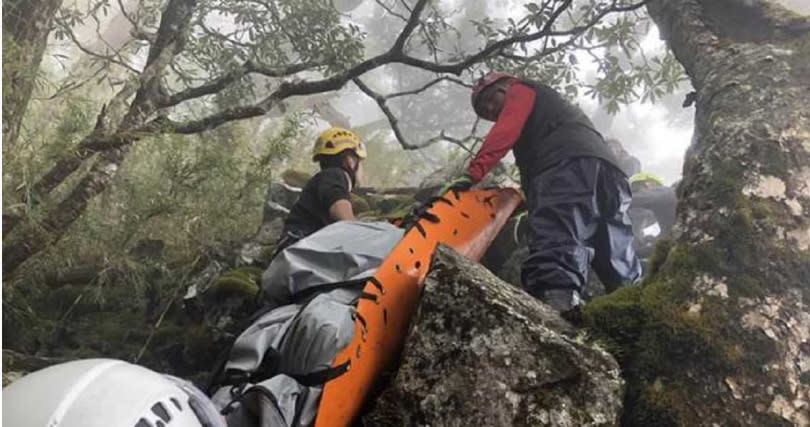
x: 518, y: 105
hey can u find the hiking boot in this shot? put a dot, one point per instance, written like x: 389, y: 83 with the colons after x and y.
x: 562, y: 300
x: 567, y: 302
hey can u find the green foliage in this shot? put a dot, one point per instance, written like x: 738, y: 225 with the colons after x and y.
x: 191, y: 192
x: 625, y: 73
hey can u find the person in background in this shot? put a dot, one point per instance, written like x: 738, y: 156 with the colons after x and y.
x: 651, y: 199
x: 325, y: 197
x: 576, y: 193
x: 628, y: 163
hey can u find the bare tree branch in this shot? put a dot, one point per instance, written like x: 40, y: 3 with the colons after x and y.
x: 287, y: 90
x: 225, y: 80
x: 408, y: 8
x: 392, y: 118
x: 394, y: 55
x: 460, y: 142
x: 127, y: 15
x: 393, y: 121
x: 70, y: 85
x: 115, y: 58
x: 413, y: 21
x: 495, y: 47
x: 427, y: 86
x: 391, y: 11
x: 223, y: 37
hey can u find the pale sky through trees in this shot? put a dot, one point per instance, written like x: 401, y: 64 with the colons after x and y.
x: 657, y: 134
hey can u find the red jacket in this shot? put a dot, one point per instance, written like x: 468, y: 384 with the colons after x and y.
x: 518, y: 105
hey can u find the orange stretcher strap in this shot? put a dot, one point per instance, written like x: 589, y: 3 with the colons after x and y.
x: 468, y: 222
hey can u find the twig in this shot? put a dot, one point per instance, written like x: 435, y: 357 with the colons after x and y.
x: 499, y: 45
x: 426, y: 86
x: 111, y: 58
x: 394, y: 122
x: 230, y: 77
x: 72, y: 306
x: 391, y: 11
x: 126, y: 15
x: 163, y: 314
x: 154, y: 329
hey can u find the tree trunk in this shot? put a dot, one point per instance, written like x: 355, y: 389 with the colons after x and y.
x: 63, y: 215
x: 720, y: 332
x: 26, y: 25
x: 172, y: 31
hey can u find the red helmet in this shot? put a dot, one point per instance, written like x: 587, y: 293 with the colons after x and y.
x: 487, y: 81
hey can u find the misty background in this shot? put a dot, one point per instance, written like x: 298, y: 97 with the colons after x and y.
x: 658, y: 134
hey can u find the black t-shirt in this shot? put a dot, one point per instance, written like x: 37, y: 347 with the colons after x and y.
x: 311, y: 212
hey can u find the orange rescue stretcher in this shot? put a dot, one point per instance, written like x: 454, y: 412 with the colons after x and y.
x: 466, y: 221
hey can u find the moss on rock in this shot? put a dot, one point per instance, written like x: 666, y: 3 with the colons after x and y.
x: 617, y: 317
x: 669, y: 323
x: 672, y: 321
x: 244, y: 280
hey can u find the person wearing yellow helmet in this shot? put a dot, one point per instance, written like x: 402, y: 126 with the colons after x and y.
x: 645, y: 181
x: 652, y: 195
x: 325, y: 197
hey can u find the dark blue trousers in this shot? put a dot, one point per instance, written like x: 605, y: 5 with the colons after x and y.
x: 577, y: 219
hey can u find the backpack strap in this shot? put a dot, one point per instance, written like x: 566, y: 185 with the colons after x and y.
x: 322, y: 376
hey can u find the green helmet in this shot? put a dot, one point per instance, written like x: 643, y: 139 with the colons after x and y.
x: 646, y: 177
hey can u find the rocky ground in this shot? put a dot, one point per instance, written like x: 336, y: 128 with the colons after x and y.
x: 480, y: 349
x: 483, y: 351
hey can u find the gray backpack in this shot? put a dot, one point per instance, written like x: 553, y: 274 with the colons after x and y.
x: 277, y: 367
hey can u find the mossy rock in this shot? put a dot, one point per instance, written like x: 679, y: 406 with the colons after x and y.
x: 295, y: 178
x: 658, y: 328
x: 396, y: 208
x: 617, y: 317
x: 244, y: 281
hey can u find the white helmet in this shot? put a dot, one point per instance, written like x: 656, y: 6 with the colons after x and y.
x: 105, y: 393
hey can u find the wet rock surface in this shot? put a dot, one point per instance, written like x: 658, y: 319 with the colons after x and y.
x: 483, y: 352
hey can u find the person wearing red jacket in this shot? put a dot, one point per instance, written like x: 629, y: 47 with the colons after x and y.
x: 577, y: 196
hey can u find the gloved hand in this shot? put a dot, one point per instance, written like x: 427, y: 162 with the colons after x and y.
x: 462, y: 183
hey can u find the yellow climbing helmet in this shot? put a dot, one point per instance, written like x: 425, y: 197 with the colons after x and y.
x: 336, y: 140
x: 646, y: 176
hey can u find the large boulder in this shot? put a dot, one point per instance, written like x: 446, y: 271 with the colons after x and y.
x: 483, y: 352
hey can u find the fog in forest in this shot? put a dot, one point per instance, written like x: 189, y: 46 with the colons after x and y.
x: 657, y: 133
